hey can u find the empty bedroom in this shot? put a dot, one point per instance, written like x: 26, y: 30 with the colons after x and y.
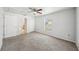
x: 39, y: 28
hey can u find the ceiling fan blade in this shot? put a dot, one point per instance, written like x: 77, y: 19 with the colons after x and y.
x: 36, y: 10
x: 32, y: 9
x: 39, y: 10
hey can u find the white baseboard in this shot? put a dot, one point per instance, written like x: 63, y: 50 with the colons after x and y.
x: 57, y: 37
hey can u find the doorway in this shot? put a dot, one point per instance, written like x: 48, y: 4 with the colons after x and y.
x: 24, y: 26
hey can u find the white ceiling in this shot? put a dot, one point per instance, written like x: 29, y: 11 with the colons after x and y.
x: 27, y: 11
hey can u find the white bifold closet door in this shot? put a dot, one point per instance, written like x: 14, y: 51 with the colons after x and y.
x: 1, y: 30
x: 12, y: 24
x: 1, y: 27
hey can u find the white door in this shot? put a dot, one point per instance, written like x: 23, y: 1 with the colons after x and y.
x: 1, y: 30
x: 11, y: 25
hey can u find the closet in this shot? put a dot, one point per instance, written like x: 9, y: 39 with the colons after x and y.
x: 1, y: 26
x: 12, y: 24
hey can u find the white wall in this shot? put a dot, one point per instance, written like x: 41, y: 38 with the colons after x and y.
x: 63, y: 24
x: 1, y: 26
x: 77, y: 26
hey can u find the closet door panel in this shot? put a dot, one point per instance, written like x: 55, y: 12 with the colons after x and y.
x: 11, y: 25
x: 1, y: 30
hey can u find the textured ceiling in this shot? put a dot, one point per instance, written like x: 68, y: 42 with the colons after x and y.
x: 27, y: 11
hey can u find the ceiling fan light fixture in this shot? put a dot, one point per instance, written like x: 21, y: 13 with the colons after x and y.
x: 36, y: 10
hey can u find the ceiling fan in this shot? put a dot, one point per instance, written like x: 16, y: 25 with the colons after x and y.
x: 36, y: 10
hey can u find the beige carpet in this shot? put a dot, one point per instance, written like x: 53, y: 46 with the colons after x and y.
x: 36, y: 42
